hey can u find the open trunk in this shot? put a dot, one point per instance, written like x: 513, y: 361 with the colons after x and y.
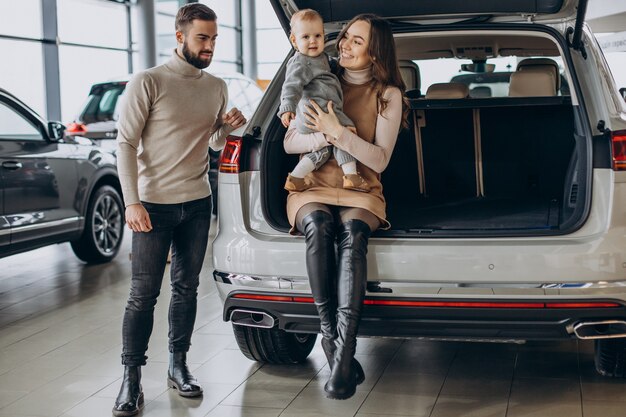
x: 493, y: 166
x: 497, y: 164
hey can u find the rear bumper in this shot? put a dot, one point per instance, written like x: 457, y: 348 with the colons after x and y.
x: 446, y: 316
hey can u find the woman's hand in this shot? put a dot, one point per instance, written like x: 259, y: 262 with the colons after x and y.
x: 318, y: 119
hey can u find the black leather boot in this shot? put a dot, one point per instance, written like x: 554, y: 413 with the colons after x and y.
x: 319, y: 232
x: 130, y: 399
x: 179, y: 377
x: 352, y: 248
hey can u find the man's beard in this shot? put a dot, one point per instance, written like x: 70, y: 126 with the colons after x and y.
x: 195, y: 60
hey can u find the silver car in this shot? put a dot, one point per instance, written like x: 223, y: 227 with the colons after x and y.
x: 506, y: 196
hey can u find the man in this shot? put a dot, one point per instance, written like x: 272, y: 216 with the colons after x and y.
x: 171, y: 115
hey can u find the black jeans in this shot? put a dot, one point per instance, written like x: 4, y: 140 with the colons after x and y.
x: 184, y: 227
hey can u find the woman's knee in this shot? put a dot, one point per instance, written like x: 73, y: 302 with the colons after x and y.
x: 312, y: 214
x: 351, y: 213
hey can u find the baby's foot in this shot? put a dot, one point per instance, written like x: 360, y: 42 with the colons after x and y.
x: 296, y: 184
x: 355, y: 182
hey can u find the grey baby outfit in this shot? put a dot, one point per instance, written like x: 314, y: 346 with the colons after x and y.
x: 310, y: 78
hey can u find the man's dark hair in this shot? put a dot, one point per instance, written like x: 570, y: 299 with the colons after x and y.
x: 191, y: 12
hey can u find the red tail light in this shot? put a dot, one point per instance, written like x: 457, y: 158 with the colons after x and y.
x: 618, y: 138
x: 445, y: 304
x: 76, y: 128
x: 229, y: 161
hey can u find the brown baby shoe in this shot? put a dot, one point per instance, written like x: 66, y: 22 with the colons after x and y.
x: 355, y: 182
x: 296, y: 184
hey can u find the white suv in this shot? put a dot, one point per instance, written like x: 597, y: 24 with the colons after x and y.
x: 506, y: 196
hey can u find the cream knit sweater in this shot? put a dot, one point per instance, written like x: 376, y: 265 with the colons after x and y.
x: 170, y: 116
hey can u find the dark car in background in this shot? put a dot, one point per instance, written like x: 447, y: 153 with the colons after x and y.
x: 55, y: 189
x: 98, y: 117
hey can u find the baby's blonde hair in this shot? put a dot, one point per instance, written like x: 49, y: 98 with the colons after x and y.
x: 303, y: 16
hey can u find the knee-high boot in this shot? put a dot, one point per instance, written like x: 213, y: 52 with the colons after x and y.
x: 352, y: 280
x: 319, y: 232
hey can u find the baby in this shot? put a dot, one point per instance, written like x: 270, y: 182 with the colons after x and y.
x: 309, y: 77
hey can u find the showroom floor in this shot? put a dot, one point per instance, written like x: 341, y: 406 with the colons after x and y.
x: 60, y: 324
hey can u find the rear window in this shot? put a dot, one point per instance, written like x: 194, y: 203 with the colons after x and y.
x: 481, y: 85
x: 102, y: 103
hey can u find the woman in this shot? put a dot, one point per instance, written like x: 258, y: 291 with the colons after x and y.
x: 326, y: 212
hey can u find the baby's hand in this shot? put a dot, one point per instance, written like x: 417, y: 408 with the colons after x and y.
x: 287, y: 117
x: 352, y: 129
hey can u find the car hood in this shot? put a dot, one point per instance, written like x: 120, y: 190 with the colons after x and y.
x: 435, y: 11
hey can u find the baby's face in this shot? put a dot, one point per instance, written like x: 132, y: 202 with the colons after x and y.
x: 307, y: 36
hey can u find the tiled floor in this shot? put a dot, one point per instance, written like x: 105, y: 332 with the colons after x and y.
x: 60, y: 325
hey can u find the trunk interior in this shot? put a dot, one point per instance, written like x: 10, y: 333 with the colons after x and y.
x: 524, y: 178
x: 496, y: 164
x: 516, y: 182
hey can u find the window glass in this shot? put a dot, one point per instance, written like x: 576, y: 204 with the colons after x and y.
x: 82, y: 67
x: 225, y: 11
x: 278, y: 51
x: 23, y: 76
x: 14, y: 126
x: 265, y: 16
x: 267, y: 71
x: 166, y: 37
x: 78, y: 23
x: 102, y: 104
x: 226, y: 45
x: 617, y: 63
x: 12, y: 21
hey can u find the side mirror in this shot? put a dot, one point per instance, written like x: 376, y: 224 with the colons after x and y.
x: 622, y: 91
x: 56, y: 131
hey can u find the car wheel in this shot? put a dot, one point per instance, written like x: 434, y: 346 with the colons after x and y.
x: 610, y: 357
x: 104, y: 227
x: 274, y: 345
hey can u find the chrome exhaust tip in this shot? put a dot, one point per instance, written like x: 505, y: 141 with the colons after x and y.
x: 605, y: 329
x: 252, y: 318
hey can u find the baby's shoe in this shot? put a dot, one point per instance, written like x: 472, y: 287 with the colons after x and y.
x: 296, y: 184
x: 355, y: 182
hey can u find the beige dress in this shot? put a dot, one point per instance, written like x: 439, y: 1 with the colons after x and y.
x: 372, y: 147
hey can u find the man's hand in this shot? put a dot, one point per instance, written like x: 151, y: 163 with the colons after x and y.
x: 137, y: 218
x: 287, y: 117
x: 234, y: 118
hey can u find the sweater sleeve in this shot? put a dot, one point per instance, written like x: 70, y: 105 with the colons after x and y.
x: 296, y: 142
x: 135, y: 111
x: 298, y: 75
x: 376, y: 155
x: 217, y: 140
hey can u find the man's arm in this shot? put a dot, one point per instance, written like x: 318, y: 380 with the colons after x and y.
x: 133, y: 116
x: 226, y: 122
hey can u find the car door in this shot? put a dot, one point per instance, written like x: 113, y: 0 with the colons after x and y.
x: 36, y: 178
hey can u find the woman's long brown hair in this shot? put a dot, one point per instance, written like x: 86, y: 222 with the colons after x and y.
x: 385, y: 70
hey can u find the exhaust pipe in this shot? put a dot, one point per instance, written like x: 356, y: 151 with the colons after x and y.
x: 605, y: 329
x: 252, y: 318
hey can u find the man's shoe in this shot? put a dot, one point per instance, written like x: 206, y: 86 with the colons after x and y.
x: 130, y: 399
x: 179, y: 377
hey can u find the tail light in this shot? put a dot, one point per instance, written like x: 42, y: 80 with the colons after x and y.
x: 76, y: 128
x: 618, y: 139
x: 229, y: 161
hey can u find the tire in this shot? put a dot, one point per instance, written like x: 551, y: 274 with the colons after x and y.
x: 104, y: 227
x: 610, y: 357
x: 274, y: 345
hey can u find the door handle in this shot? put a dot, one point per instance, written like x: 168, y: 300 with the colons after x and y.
x: 12, y: 165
